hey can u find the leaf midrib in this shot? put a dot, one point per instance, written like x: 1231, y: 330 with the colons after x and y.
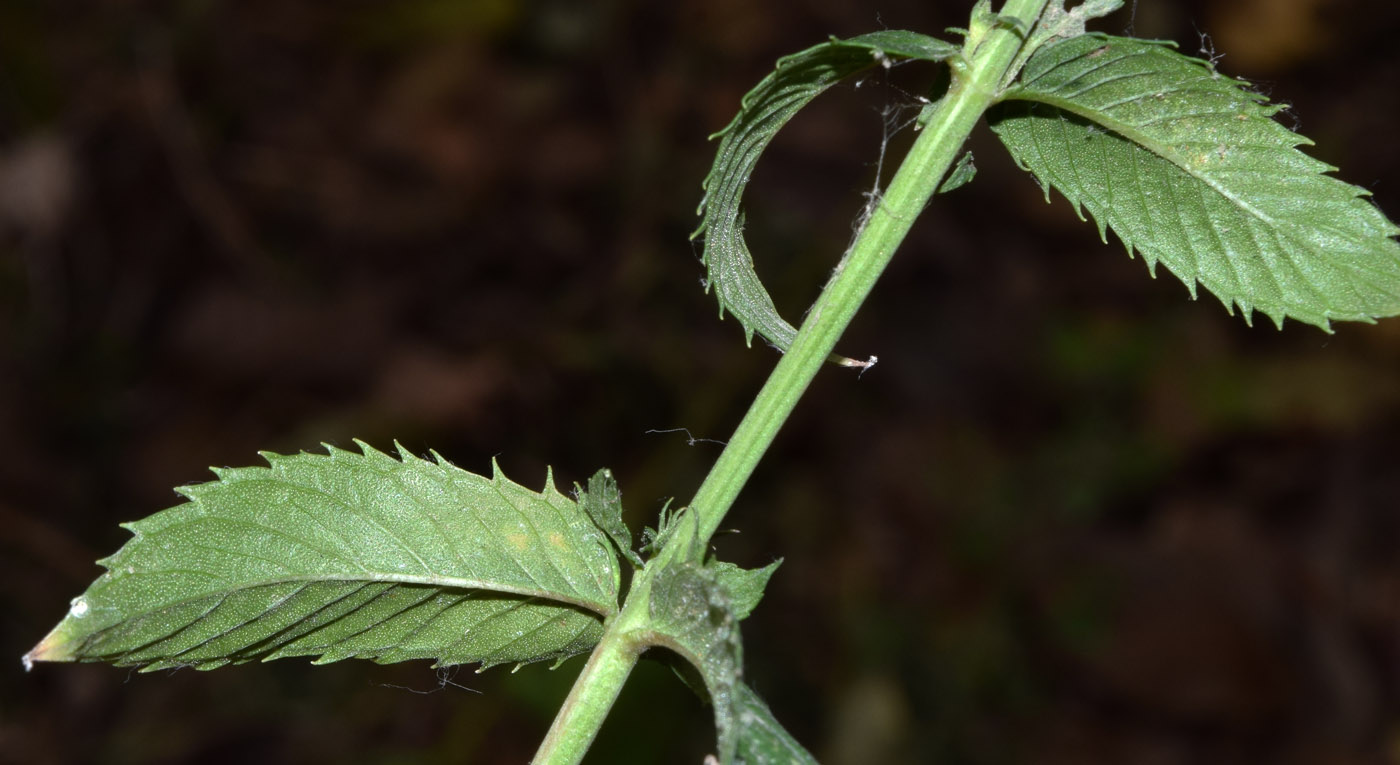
x: 1159, y: 148
x: 446, y: 582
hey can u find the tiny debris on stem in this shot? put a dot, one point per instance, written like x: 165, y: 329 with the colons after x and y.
x: 861, y: 365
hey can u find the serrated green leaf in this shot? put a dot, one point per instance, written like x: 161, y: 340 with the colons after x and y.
x: 348, y: 555
x: 693, y: 614
x: 760, y: 739
x: 603, y: 503
x: 1188, y: 167
x: 797, y: 80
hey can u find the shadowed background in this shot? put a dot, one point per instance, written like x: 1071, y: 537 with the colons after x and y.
x: 1070, y: 517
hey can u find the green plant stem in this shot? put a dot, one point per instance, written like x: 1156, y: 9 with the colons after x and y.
x: 591, y: 698
x: 973, y: 89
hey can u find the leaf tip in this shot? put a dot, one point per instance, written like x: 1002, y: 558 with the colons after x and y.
x: 56, y: 646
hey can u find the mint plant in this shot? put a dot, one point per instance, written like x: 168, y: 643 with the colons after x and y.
x: 396, y: 557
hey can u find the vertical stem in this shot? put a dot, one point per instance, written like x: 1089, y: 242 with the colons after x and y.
x: 985, y: 60
x: 590, y: 700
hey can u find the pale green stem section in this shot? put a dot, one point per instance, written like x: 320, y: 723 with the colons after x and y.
x: 591, y: 698
x: 974, y: 88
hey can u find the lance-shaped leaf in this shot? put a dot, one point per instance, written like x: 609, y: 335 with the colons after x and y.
x: 1188, y: 167
x: 348, y: 555
x: 797, y: 80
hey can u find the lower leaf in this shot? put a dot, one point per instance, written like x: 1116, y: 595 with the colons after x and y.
x: 348, y: 555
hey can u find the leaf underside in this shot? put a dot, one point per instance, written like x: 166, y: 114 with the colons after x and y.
x: 797, y: 80
x: 1188, y: 167
x: 348, y: 555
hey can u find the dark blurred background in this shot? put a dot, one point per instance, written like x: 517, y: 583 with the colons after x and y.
x: 1070, y: 517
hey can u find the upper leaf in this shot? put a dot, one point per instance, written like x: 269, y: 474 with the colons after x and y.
x: 1188, y: 167
x: 797, y: 80
x: 348, y: 555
